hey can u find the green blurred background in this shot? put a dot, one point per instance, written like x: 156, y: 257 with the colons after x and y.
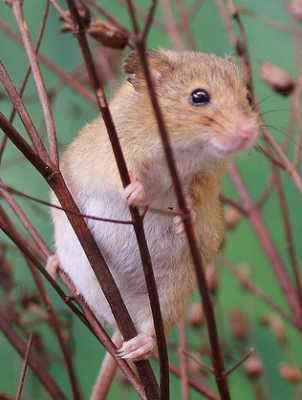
x: 269, y: 39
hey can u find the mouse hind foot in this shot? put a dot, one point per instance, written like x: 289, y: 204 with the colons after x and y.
x: 138, y: 348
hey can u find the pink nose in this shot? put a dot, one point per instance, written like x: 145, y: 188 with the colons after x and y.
x: 246, y: 130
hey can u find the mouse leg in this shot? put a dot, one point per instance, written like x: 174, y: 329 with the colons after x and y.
x: 178, y: 222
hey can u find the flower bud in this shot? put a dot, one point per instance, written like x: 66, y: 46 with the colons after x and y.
x: 232, y: 215
x: 278, y: 328
x: 277, y: 78
x: 290, y: 373
x: 253, y: 367
x: 238, y: 324
x: 107, y: 34
x: 196, y: 316
x: 211, y: 277
x: 295, y: 9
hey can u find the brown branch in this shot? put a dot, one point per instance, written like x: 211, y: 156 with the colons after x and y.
x: 184, y: 378
x: 102, y: 335
x: 288, y: 234
x: 217, y: 359
x: 137, y: 218
x: 205, y: 391
x: 53, y: 320
x: 40, y: 248
x: 56, y: 326
x: 185, y: 19
x: 26, y: 76
x: 249, y: 285
x: 63, y: 76
x: 34, y: 363
x: 241, y: 361
x: 23, y: 114
x: 24, y: 368
x: 268, y: 246
x: 22, y: 244
x: 109, y: 17
x: 97, y: 262
x: 288, y: 166
x: 171, y: 25
x: 30, y: 51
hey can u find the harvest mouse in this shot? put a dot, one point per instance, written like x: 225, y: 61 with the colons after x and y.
x: 209, y: 116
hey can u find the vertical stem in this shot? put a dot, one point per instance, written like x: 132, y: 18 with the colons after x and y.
x: 32, y: 57
x: 217, y: 359
x: 25, y: 363
x: 184, y: 378
x: 138, y: 219
x: 268, y: 246
x: 94, y: 256
x: 33, y: 361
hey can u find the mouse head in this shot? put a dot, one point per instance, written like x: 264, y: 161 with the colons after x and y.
x: 204, y: 100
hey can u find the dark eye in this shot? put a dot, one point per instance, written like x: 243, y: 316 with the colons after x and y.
x: 199, y: 97
x: 249, y: 99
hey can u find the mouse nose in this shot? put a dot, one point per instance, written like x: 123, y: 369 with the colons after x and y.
x: 246, y: 130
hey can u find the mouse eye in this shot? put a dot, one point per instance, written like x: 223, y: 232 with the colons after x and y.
x: 249, y: 99
x: 199, y: 97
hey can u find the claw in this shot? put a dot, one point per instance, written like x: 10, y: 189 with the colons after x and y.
x: 138, y: 348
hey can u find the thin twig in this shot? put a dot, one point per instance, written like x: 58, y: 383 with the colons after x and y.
x: 26, y: 76
x: 30, y: 51
x: 204, y: 390
x: 268, y: 245
x: 241, y: 361
x: 40, y: 244
x: 34, y: 363
x: 288, y: 234
x: 103, y: 337
x: 185, y: 24
x: 24, y: 368
x: 184, y: 379
x: 171, y: 25
x: 23, y: 114
x: 63, y: 76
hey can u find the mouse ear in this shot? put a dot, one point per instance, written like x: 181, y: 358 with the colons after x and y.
x: 158, y: 63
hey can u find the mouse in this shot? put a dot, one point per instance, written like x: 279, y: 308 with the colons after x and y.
x: 210, y: 116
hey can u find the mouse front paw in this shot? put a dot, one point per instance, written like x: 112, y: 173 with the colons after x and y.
x: 138, y: 348
x: 179, y: 227
x: 134, y: 193
x: 52, y: 265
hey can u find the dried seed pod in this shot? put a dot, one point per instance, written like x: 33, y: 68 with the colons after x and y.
x: 295, y: 9
x: 107, y: 34
x: 265, y: 318
x: 6, y: 271
x: 290, y: 373
x: 231, y: 216
x: 277, y: 78
x: 196, y: 315
x: 211, y: 277
x: 278, y: 328
x: 253, y: 367
x: 238, y: 324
